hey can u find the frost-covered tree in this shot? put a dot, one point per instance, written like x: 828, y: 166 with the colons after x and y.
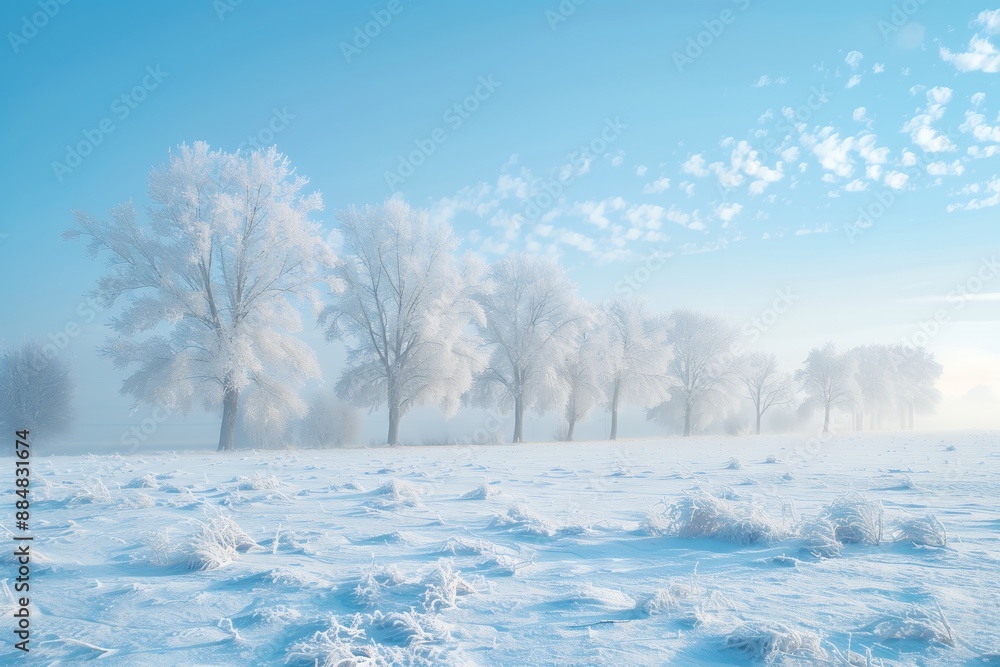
x: 585, y: 372
x: 637, y: 356
x: 763, y: 383
x: 209, y: 287
x: 873, y: 366
x: 36, y: 392
x: 701, y: 366
x: 827, y: 379
x: 406, y: 311
x: 330, y: 422
x: 915, y: 374
x: 532, y: 314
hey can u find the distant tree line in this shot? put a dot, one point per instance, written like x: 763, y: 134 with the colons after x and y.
x: 211, y: 288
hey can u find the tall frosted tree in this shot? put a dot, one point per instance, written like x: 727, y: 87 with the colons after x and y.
x: 701, y: 366
x: 209, y: 286
x: 585, y: 371
x: 763, y: 383
x: 874, y: 381
x: 532, y: 314
x: 36, y: 392
x: 915, y: 373
x: 637, y: 356
x: 827, y: 379
x: 406, y: 312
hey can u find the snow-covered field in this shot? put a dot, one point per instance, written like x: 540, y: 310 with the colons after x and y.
x: 715, y: 551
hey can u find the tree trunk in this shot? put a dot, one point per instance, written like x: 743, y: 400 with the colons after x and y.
x: 614, y: 414
x: 569, y: 431
x: 826, y: 420
x: 393, y: 438
x: 758, y: 422
x: 861, y: 421
x: 911, y: 416
x: 518, y: 420
x: 687, y: 420
x: 230, y: 405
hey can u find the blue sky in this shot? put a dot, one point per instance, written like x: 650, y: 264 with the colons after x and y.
x: 743, y: 139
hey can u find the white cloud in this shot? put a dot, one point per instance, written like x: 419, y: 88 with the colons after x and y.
x: 920, y: 127
x: 859, y: 113
x: 853, y: 59
x: 990, y: 20
x: 790, y: 154
x: 982, y: 56
x: 726, y: 212
x: 691, y: 221
x: 659, y: 185
x: 695, y: 165
x: 976, y: 125
x: 878, y: 68
x: 853, y: 81
x: 896, y: 179
x: 857, y: 185
x: 687, y: 187
x: 833, y: 153
x: 944, y: 169
x: 508, y: 186
x: 977, y: 99
x: 909, y: 159
x: 873, y: 171
x: 646, y: 216
x: 991, y: 186
x: 619, y: 159
x: 979, y: 152
x: 640, y: 170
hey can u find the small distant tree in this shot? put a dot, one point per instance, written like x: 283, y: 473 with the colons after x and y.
x: 826, y: 378
x: 763, y: 384
x: 637, y: 356
x: 36, y: 392
x: 330, y: 423
x: 210, y: 287
x: 532, y: 314
x: 701, y: 366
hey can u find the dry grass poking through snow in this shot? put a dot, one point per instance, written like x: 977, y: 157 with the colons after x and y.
x: 855, y: 519
x: 926, y: 531
x: 703, y: 515
x: 769, y: 641
x: 219, y: 543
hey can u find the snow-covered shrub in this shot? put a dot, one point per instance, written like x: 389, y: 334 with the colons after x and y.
x: 768, y: 641
x: 520, y: 519
x: 218, y: 544
x: 819, y: 538
x: 915, y: 624
x: 734, y: 464
x: 771, y: 458
x: 394, y: 494
x: 856, y: 520
x: 144, y: 482
x: 409, y: 628
x: 444, y: 585
x: 339, y: 646
x: 91, y: 494
x: 372, y: 586
x: 926, y: 531
x: 703, y: 515
x: 258, y: 482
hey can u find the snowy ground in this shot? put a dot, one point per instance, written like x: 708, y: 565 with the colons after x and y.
x: 540, y: 554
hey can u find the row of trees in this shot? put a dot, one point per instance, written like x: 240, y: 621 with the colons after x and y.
x: 210, y: 291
